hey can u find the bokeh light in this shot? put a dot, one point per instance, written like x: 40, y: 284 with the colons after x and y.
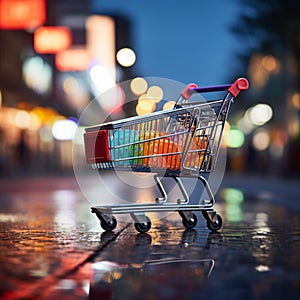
x: 169, y: 105
x: 51, y: 39
x: 235, y: 138
x: 138, y: 86
x: 260, y: 114
x: 101, y: 77
x: 101, y: 42
x: 260, y: 68
x: 156, y: 93
x: 270, y: 64
x: 64, y: 130
x: 126, y: 57
x: 75, y: 58
x: 34, y: 121
x: 146, y: 104
x: 107, y: 93
x: 255, y: 116
x: 148, y: 97
x: 45, y: 134
x: 234, y: 198
x: 37, y: 74
x: 140, y: 111
x: 70, y: 85
x: 22, y: 119
x: 261, y: 140
x: 296, y: 100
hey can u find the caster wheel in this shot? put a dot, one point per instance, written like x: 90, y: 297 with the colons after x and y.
x: 144, y: 226
x: 108, y: 223
x: 215, y: 224
x: 190, y: 223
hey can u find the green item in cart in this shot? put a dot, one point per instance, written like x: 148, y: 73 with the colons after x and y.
x: 124, y: 145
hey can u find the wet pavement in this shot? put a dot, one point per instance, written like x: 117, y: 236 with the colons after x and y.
x: 53, y: 247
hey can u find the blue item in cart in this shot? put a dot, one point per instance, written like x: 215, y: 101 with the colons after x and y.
x: 124, y: 145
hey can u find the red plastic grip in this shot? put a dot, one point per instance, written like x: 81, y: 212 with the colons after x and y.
x: 241, y: 84
x: 187, y: 92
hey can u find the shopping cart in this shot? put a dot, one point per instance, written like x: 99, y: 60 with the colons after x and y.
x: 180, y: 142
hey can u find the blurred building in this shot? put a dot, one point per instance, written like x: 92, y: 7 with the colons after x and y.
x: 40, y: 88
x: 267, y: 116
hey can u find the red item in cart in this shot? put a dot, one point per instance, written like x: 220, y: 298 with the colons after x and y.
x: 96, y: 146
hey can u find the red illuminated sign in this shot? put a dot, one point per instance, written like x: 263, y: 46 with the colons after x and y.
x: 22, y: 14
x: 73, y: 59
x: 51, y: 39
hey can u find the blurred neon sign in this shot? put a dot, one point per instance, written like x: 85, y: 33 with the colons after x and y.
x: 51, y: 39
x: 22, y: 14
x: 73, y: 59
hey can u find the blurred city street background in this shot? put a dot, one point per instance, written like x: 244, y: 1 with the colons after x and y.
x: 59, y: 62
x: 53, y: 64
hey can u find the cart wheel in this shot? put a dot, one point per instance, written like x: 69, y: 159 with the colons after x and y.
x: 107, y: 225
x: 144, y: 226
x: 190, y: 223
x: 215, y: 224
x: 110, y: 225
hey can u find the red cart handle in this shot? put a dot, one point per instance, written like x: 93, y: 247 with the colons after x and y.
x: 241, y: 84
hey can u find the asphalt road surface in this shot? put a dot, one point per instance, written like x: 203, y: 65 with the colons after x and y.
x: 52, y: 247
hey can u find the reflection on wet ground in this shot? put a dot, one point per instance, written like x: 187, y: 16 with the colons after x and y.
x: 160, y: 276
x: 157, y: 269
x: 52, y: 246
x: 250, y: 261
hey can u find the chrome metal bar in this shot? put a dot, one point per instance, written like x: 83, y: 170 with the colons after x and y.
x: 160, y: 186
x: 208, y: 190
x: 183, y: 191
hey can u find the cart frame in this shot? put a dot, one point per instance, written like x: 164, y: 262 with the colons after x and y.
x: 117, y: 146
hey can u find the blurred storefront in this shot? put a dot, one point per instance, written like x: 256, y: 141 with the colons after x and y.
x: 52, y: 60
x: 267, y: 117
x: 29, y: 144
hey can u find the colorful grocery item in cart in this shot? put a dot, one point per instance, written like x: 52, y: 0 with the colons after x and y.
x: 195, y: 154
x: 123, y: 146
x: 96, y: 146
x: 159, y: 151
x: 190, y: 146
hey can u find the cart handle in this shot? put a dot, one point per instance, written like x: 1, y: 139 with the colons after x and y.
x: 241, y: 84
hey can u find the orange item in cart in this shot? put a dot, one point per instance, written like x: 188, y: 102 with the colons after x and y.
x: 161, y: 152
x: 196, y: 152
x: 195, y: 149
x: 166, y: 153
